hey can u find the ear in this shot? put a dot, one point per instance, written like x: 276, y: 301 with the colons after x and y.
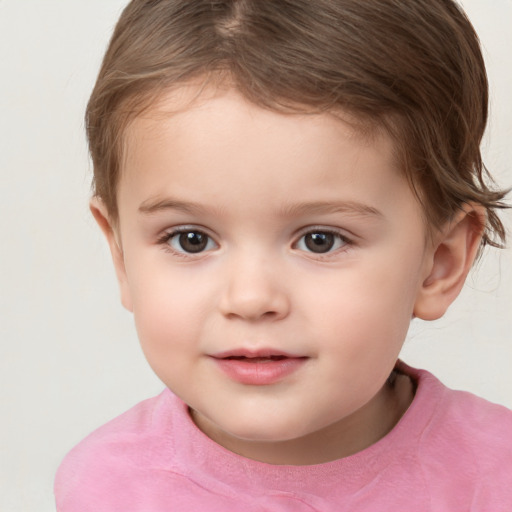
x: 102, y: 217
x: 453, y: 255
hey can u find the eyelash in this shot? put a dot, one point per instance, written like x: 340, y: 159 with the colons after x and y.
x: 342, y: 240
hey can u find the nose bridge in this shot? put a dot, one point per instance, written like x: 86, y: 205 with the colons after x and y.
x: 254, y: 287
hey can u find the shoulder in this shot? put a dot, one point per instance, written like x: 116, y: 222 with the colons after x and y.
x: 465, y: 447
x: 480, y: 420
x: 465, y: 418
x: 110, y: 460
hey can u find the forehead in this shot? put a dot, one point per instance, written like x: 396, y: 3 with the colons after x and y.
x: 200, y: 119
x: 178, y: 109
x: 225, y: 153
x: 179, y: 99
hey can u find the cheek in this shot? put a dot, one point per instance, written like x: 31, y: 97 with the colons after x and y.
x: 168, y: 333
x: 167, y: 310
x: 371, y: 306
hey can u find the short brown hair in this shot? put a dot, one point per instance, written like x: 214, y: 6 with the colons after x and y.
x: 413, y: 67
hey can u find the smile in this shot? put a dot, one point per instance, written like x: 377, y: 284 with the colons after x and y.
x: 260, y: 368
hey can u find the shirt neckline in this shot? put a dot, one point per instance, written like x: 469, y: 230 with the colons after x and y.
x: 191, y: 448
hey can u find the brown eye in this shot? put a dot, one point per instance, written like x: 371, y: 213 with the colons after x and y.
x: 321, y: 242
x: 191, y: 242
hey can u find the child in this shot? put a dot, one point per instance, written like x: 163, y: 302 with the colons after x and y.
x: 284, y: 185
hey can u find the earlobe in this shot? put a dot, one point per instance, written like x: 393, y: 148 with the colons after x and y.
x: 100, y: 213
x: 452, y: 257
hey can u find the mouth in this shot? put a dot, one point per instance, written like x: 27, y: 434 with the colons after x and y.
x: 262, y: 359
x: 256, y: 355
x: 258, y: 368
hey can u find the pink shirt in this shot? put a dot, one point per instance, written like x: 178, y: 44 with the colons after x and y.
x: 451, y: 452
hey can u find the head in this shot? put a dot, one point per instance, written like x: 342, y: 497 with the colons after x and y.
x: 280, y: 189
x: 414, y: 69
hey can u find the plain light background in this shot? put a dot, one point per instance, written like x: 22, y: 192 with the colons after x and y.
x: 69, y: 357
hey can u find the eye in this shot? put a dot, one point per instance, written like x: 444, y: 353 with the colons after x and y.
x: 321, y: 242
x: 190, y: 241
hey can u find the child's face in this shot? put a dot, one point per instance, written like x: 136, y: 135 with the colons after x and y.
x: 272, y: 263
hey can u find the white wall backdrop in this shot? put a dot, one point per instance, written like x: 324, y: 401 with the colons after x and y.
x: 69, y: 357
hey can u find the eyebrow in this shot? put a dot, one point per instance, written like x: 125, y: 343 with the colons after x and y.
x: 326, y: 207
x: 156, y: 205
x: 152, y: 206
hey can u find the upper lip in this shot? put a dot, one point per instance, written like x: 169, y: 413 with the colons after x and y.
x: 254, y: 353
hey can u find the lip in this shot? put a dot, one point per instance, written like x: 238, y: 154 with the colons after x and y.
x: 258, y: 367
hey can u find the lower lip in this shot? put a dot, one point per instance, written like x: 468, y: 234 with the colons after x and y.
x: 259, y: 373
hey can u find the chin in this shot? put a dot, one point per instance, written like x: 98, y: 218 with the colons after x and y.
x: 264, y: 431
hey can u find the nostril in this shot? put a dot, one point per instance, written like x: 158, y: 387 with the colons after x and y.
x: 253, y: 295
x: 255, y: 310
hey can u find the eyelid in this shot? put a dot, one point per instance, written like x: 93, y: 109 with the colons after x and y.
x: 184, y: 228
x: 343, y: 233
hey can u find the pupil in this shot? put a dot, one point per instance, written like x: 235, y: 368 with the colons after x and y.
x: 319, y: 242
x: 193, y: 241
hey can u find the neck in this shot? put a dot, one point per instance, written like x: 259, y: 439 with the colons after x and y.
x: 341, y: 439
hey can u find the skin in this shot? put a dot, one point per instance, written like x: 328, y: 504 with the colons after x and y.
x: 258, y: 184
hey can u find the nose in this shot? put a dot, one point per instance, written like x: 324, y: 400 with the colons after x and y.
x: 253, y: 290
